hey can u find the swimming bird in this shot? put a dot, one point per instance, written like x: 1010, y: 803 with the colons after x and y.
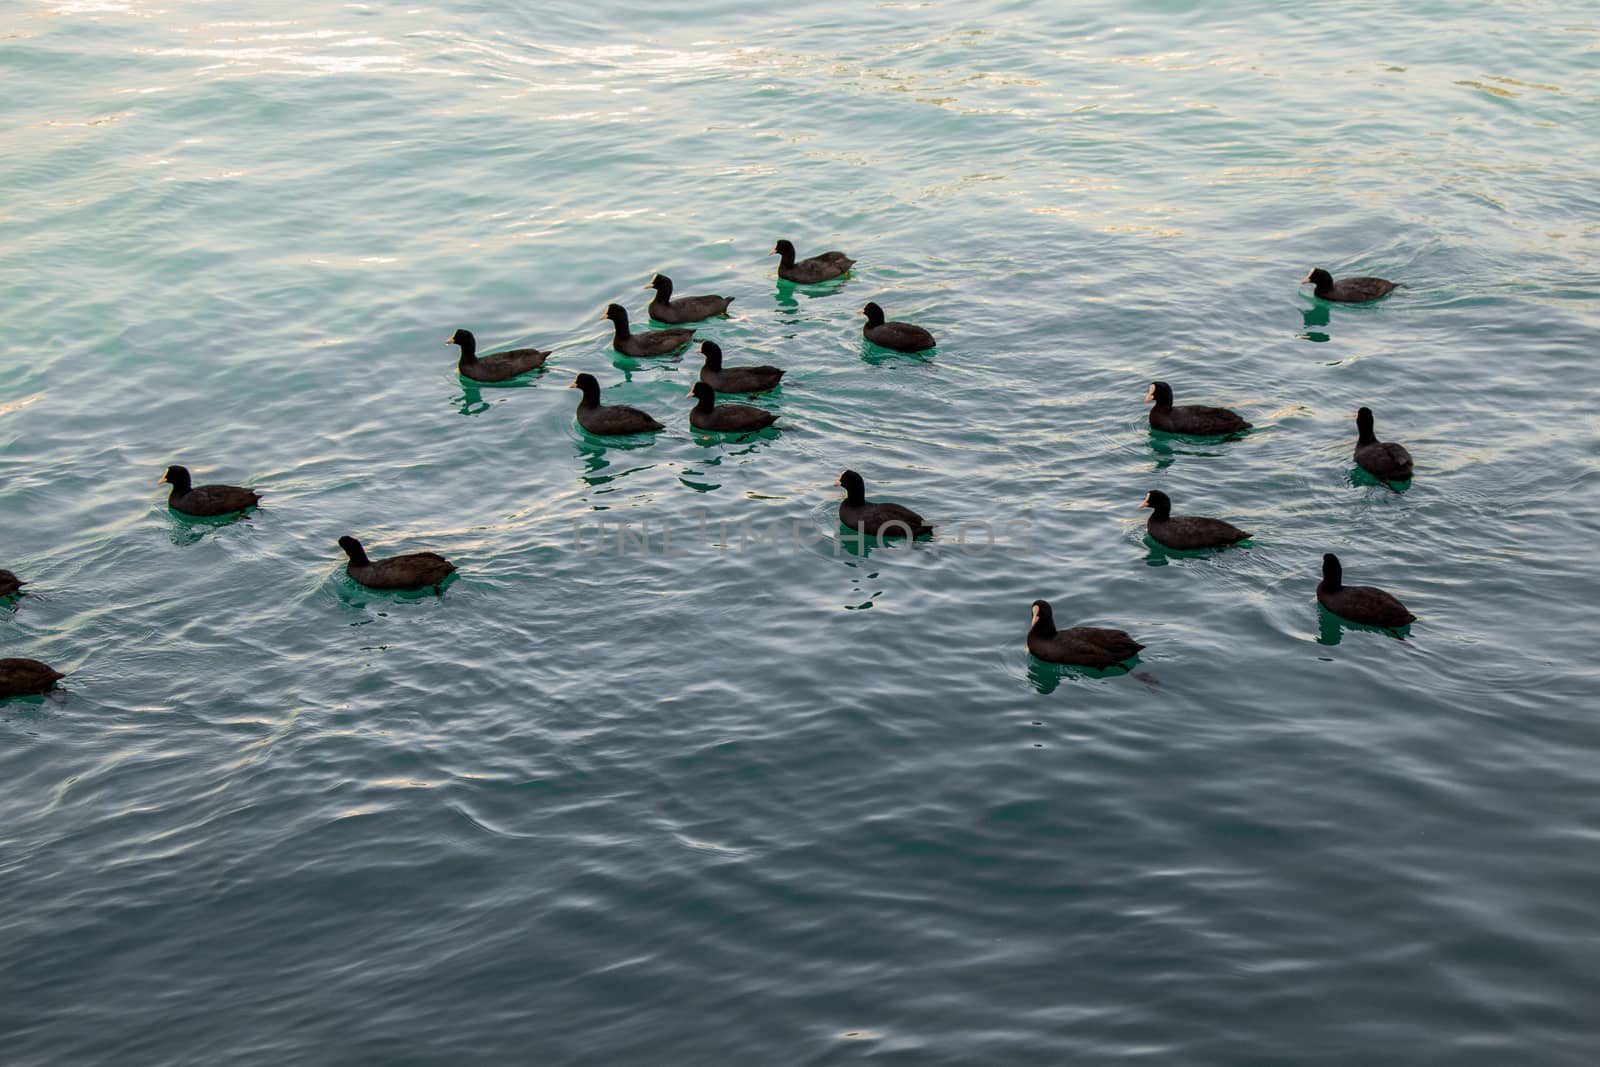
x: 1347, y: 290
x: 497, y: 366
x: 206, y: 500
x: 645, y: 343
x: 26, y: 677
x: 1186, y: 532
x: 878, y: 519
x: 1381, y: 459
x: 686, y: 308
x: 614, y: 420
x: 1190, y: 419
x: 10, y: 584
x: 735, y: 379
x: 826, y: 267
x: 901, y: 336
x: 1364, y: 604
x: 725, y: 418
x: 414, y: 570
x: 1081, y: 646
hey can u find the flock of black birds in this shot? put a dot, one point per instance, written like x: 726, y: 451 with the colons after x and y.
x: 1086, y: 646
x: 1081, y: 646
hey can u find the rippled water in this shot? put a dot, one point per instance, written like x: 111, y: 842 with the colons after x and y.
x: 747, y: 795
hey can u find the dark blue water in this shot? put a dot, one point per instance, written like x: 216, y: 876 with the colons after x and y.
x: 670, y: 773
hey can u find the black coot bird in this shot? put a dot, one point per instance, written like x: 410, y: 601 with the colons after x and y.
x: 1347, y: 290
x: 414, y: 570
x: 1192, y: 419
x: 1364, y: 604
x: 206, y: 500
x: 1081, y: 646
x: 10, y: 584
x: 735, y: 379
x: 609, y: 421
x: 645, y: 343
x: 901, y: 336
x: 686, y: 308
x: 497, y: 366
x: 823, y: 268
x: 1384, y: 460
x: 1187, y: 532
x: 875, y: 518
x: 26, y: 677
x: 725, y: 418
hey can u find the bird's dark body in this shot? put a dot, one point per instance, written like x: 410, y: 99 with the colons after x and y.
x: 686, y: 308
x: 900, y: 336
x: 1384, y: 460
x: 646, y: 343
x: 206, y: 501
x: 609, y: 420
x: 10, y: 584
x: 877, y: 518
x: 1080, y: 646
x: 26, y: 677
x: 1364, y: 604
x: 726, y: 418
x: 735, y: 379
x: 1192, y: 419
x: 497, y: 366
x: 819, y: 268
x: 1187, y: 532
x: 414, y: 570
x: 1349, y: 290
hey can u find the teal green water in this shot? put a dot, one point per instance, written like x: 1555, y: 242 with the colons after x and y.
x: 744, y: 795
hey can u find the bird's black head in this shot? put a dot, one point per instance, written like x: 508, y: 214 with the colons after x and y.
x: 178, y: 477
x: 1158, y: 502
x: 706, y: 395
x: 463, y: 338
x: 1364, y: 420
x: 1332, y: 572
x: 713, y: 353
x: 874, y: 314
x: 785, y: 249
x: 1161, y: 393
x: 1043, y: 617
x: 353, y: 549
x: 1318, y: 277
x: 662, y: 285
x: 617, y: 315
x: 590, y: 388
x: 854, y: 487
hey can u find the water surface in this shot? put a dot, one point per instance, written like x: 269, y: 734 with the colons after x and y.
x: 721, y: 789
